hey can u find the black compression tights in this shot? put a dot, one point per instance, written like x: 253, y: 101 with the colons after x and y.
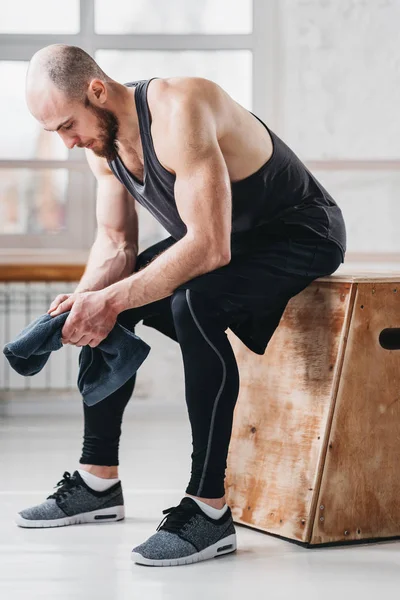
x: 211, y: 384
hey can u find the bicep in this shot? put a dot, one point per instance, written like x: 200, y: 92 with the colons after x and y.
x: 203, y: 193
x: 202, y: 186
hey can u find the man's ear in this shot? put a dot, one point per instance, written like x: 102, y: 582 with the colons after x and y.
x: 97, y: 92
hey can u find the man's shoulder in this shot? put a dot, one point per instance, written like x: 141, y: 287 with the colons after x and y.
x: 183, y: 115
x: 165, y: 96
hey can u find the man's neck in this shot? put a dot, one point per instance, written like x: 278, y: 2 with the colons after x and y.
x: 129, y: 133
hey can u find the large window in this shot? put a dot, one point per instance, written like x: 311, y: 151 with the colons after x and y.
x: 175, y: 16
x: 47, y: 194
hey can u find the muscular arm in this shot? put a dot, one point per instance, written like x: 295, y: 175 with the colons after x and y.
x: 113, y: 254
x: 203, y: 198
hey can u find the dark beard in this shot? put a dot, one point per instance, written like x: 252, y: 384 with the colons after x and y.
x: 108, y: 126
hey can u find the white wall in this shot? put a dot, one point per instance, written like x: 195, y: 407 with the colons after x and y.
x: 339, y: 86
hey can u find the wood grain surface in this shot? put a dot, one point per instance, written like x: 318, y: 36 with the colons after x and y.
x: 360, y: 487
x: 283, y: 413
x: 40, y: 272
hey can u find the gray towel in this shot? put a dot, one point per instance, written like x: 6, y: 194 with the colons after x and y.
x: 102, y: 370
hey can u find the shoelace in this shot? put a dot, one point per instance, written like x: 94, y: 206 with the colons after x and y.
x: 67, y: 483
x: 175, y: 518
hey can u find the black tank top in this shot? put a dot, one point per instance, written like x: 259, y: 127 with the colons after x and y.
x: 279, y: 196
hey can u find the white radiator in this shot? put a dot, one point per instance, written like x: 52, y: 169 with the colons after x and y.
x: 21, y: 303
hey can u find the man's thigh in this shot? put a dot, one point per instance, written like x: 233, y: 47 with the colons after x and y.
x: 254, y: 288
x: 264, y: 279
x: 261, y: 280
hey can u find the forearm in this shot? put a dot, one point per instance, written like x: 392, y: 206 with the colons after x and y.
x: 108, y: 263
x: 180, y: 263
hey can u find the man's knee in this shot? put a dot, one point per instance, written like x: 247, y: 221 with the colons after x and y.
x: 179, y: 307
x: 189, y: 307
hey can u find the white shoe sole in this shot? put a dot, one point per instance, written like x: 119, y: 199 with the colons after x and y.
x: 224, y: 546
x: 105, y: 515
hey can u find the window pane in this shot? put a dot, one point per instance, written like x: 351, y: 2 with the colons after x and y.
x: 40, y: 16
x: 231, y: 69
x: 22, y: 137
x: 173, y: 16
x: 370, y: 204
x: 33, y: 201
x: 341, y: 78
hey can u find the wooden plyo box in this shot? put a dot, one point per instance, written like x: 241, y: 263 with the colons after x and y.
x: 315, y: 450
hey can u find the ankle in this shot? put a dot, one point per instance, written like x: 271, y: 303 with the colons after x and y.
x: 100, y: 471
x: 217, y: 503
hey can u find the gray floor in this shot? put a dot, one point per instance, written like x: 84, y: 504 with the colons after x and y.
x: 93, y: 561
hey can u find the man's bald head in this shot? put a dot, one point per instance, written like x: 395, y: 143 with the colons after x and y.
x: 67, y: 92
x: 69, y: 68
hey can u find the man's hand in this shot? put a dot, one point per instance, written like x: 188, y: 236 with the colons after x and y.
x: 63, y: 302
x: 91, y: 319
x: 57, y: 301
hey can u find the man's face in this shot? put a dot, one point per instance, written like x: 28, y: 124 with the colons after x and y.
x: 81, y: 124
x: 107, y: 125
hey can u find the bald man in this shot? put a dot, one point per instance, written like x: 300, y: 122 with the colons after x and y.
x: 250, y: 227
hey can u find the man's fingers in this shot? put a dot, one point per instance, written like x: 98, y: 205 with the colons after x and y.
x: 90, y: 341
x: 84, y: 340
x: 68, y: 332
x: 62, y: 308
x: 57, y: 301
x: 65, y: 335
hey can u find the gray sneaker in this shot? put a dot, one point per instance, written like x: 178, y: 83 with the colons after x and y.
x: 187, y: 535
x: 73, y: 503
